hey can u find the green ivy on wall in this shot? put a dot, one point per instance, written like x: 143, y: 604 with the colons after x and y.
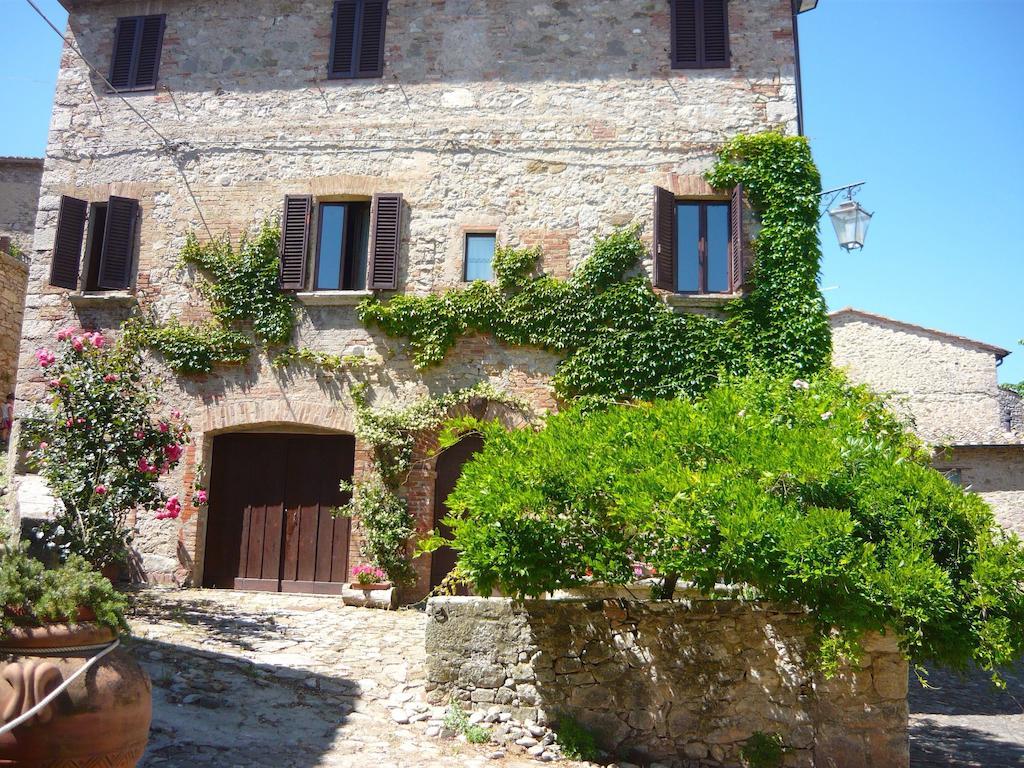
x: 619, y: 339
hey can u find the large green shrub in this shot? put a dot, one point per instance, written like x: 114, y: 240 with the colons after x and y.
x: 812, y: 493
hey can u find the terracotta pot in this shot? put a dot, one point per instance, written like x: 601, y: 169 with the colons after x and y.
x: 102, y: 719
x: 374, y: 585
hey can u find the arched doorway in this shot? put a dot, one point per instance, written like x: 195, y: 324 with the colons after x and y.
x: 269, y: 523
x: 448, y: 468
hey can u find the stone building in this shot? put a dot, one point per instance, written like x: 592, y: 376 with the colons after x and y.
x: 410, y: 134
x: 947, y: 385
x: 19, y: 196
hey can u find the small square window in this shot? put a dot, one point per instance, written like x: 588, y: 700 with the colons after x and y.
x: 342, y: 246
x: 702, y: 247
x: 480, y: 256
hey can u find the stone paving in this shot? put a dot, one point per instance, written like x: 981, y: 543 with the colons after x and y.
x: 290, y: 681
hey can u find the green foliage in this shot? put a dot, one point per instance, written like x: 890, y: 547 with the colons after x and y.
x: 811, y: 493
x: 387, y: 526
x: 31, y: 596
x: 325, y: 361
x: 1017, y: 389
x: 189, y: 349
x: 763, y: 750
x: 477, y: 734
x: 100, y: 445
x: 456, y: 720
x: 619, y: 339
x: 576, y: 741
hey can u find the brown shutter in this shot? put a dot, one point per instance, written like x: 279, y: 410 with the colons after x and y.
x: 738, y: 259
x: 664, y: 239
x: 124, y: 52
x: 343, y: 35
x: 684, y: 34
x: 385, y: 239
x: 147, y: 67
x: 371, y: 38
x: 67, y: 245
x: 294, y: 241
x: 115, y: 273
x: 714, y: 19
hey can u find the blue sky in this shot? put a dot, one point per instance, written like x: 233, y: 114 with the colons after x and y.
x: 922, y: 99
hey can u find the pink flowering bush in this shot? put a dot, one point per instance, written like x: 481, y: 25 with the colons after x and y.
x: 102, y: 445
x: 368, y: 574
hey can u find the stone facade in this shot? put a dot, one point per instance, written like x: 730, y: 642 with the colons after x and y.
x: 548, y: 122
x: 685, y: 680
x: 13, y: 277
x: 947, y: 385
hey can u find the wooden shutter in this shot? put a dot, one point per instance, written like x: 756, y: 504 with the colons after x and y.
x: 664, y: 239
x: 371, y: 38
x: 124, y: 52
x: 685, y: 51
x: 385, y: 239
x: 294, y: 241
x: 715, y: 33
x: 738, y: 258
x: 151, y: 40
x: 115, y: 272
x: 343, y: 37
x: 67, y: 245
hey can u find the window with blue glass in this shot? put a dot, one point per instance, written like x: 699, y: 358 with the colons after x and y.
x: 480, y: 256
x: 702, y: 247
x: 344, y: 232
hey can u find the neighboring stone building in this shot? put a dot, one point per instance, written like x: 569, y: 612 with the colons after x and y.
x: 949, y: 388
x: 19, y: 197
x: 441, y: 127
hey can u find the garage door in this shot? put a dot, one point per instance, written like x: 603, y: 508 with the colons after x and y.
x: 269, y: 523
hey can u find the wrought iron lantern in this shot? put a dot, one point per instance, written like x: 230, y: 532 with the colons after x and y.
x: 851, y: 224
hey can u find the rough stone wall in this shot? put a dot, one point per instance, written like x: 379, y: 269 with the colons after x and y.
x: 13, y: 279
x: 947, y: 386
x: 687, y: 679
x: 994, y: 472
x: 19, y: 196
x: 547, y: 121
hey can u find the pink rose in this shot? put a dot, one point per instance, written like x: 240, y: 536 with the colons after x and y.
x: 201, y: 496
x: 65, y: 334
x: 139, y: 434
x: 97, y: 339
x: 45, y: 357
x: 77, y: 343
x: 69, y: 423
x: 171, y: 509
x: 144, y: 466
x: 44, y: 445
x: 164, y: 426
x: 53, y: 383
x: 175, y: 414
x: 173, y: 452
x: 110, y: 378
x: 100, y: 490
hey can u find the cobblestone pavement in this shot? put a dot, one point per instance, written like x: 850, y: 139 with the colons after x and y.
x: 284, y: 681
x: 962, y: 722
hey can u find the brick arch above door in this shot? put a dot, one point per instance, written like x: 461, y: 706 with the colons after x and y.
x: 255, y: 414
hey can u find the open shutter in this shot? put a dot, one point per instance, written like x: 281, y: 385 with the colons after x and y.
x: 115, y: 273
x: 385, y: 238
x: 147, y: 68
x: 684, y: 34
x: 343, y: 37
x: 124, y: 52
x: 371, y: 38
x: 67, y: 245
x: 664, y: 239
x: 738, y: 258
x: 715, y: 33
x: 294, y: 241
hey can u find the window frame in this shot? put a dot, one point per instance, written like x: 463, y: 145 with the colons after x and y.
x: 701, y: 61
x: 465, y: 251
x: 357, y: 44
x: 702, y: 246
x: 133, y: 66
x: 90, y: 272
x: 315, y: 271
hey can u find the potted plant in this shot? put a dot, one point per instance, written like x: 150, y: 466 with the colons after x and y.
x: 370, y: 588
x: 370, y: 577
x: 54, y: 623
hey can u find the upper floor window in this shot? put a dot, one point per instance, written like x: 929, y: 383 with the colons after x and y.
x: 357, y: 38
x: 341, y: 246
x: 110, y: 250
x: 699, y: 244
x: 700, y: 34
x: 135, y: 64
x: 480, y: 256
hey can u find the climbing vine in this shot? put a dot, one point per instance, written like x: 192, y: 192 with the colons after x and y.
x: 391, y: 432
x: 619, y: 339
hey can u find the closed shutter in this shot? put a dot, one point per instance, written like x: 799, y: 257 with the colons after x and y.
x: 385, y: 239
x: 67, y: 245
x: 124, y: 52
x: 738, y: 259
x: 371, y: 38
x: 664, y: 239
x: 357, y: 38
x: 684, y: 34
x: 715, y: 31
x: 148, y: 67
x: 135, y: 62
x: 343, y: 37
x: 294, y: 241
x: 115, y: 273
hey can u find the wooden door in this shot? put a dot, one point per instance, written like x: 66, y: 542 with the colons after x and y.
x: 269, y: 525
x: 449, y: 468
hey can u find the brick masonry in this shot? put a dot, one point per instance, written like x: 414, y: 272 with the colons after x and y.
x: 685, y: 682
x: 546, y: 121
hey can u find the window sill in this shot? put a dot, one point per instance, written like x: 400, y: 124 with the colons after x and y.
x: 331, y: 298
x: 102, y: 299
x: 699, y: 301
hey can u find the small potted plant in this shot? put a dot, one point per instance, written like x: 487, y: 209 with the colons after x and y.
x: 369, y: 588
x: 370, y: 577
x: 53, y: 623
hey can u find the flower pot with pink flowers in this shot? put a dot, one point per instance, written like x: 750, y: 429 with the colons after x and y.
x: 370, y: 577
x: 370, y: 588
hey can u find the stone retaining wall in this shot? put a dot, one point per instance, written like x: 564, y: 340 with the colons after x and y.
x: 685, y: 682
x: 13, y: 279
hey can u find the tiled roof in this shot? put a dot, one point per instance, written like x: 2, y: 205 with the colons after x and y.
x: 14, y: 160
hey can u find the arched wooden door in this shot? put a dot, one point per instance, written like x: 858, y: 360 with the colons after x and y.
x: 449, y: 468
